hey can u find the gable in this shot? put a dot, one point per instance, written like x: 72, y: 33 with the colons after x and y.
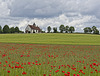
x: 28, y: 28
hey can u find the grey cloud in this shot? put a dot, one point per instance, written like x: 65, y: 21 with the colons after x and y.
x: 34, y: 8
x: 51, y: 8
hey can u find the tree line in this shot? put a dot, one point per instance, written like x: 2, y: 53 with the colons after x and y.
x: 7, y: 29
x: 71, y: 29
x: 62, y: 29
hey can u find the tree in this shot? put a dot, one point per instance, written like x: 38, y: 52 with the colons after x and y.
x: 87, y: 30
x: 95, y: 30
x: 49, y: 29
x: 61, y: 28
x: 6, y: 29
x: 55, y: 29
x: 0, y: 29
x: 71, y: 29
x: 21, y: 31
x: 66, y: 29
x: 12, y: 30
x: 17, y: 30
x: 43, y: 31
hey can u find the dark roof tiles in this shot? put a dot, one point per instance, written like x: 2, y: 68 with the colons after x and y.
x: 34, y: 27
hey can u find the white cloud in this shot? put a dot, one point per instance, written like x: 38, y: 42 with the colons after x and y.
x: 4, y: 11
x: 79, y: 22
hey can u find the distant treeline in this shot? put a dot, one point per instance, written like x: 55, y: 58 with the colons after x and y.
x: 71, y: 29
x: 7, y: 29
x: 62, y: 28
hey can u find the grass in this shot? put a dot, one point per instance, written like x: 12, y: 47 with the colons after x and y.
x: 49, y: 60
x: 68, y: 39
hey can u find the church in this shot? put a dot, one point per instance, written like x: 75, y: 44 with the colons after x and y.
x: 32, y: 29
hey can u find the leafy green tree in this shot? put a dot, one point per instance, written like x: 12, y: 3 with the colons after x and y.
x: 17, y: 30
x: 66, y: 29
x: 95, y: 30
x: 55, y: 29
x: 49, y: 29
x: 61, y: 28
x: 0, y: 29
x: 21, y: 31
x: 12, y: 30
x: 87, y: 30
x: 71, y: 29
x: 43, y: 31
x: 6, y: 29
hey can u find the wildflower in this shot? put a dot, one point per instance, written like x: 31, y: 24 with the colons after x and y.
x: 36, y: 61
x: 8, y: 71
x: 74, y: 75
x: 21, y: 56
x: 63, y: 71
x: 44, y: 74
x: 6, y: 61
x: 66, y: 74
x: 24, y: 73
x: 91, y: 72
x: 84, y: 67
x: 49, y: 74
x: 78, y: 75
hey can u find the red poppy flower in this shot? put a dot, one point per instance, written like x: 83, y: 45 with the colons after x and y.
x: 84, y: 67
x: 74, y: 75
x: 63, y: 71
x: 24, y: 73
x: 78, y: 75
x: 44, y: 74
x: 66, y: 74
x: 8, y: 71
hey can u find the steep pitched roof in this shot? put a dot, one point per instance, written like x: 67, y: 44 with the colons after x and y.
x: 35, y: 27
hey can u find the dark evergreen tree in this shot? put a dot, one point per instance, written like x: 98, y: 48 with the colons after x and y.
x: 66, y: 29
x: 17, y: 30
x: 71, y: 29
x: 49, y: 29
x: 0, y: 29
x: 61, y: 28
x: 95, y: 30
x: 87, y: 30
x: 6, y: 29
x: 12, y: 30
x: 55, y: 29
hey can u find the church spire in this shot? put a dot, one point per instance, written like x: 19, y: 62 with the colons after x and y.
x: 34, y: 24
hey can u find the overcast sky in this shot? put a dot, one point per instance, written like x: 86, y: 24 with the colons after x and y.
x: 77, y: 13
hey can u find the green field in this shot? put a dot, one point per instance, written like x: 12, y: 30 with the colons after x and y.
x: 52, y: 38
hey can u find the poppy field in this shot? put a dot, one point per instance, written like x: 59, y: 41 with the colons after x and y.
x: 49, y: 60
